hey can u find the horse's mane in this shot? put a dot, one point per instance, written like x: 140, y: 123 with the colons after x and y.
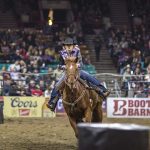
x: 71, y: 59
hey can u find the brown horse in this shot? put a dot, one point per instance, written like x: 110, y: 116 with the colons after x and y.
x: 81, y: 104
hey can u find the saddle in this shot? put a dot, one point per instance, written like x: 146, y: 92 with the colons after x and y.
x: 90, y: 86
x: 87, y: 85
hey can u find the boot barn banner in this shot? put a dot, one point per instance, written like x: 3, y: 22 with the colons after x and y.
x: 26, y: 107
x: 128, y: 107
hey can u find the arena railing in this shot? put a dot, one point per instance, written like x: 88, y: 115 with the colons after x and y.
x: 114, y: 82
x: 121, y: 88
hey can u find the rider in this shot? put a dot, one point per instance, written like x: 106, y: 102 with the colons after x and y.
x: 70, y: 49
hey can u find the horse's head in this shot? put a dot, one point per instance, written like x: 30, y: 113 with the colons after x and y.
x: 71, y: 70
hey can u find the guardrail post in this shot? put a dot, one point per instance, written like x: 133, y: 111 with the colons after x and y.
x: 1, y: 113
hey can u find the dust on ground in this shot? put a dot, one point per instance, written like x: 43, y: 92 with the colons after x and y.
x: 45, y: 133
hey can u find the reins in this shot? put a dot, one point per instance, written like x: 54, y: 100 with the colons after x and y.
x: 76, y: 101
x: 67, y: 78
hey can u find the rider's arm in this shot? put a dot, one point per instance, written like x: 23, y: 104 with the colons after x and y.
x: 61, y: 63
x: 80, y: 59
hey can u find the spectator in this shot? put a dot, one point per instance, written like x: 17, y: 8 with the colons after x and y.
x: 47, y: 92
x: 126, y: 78
x: 97, y: 47
x: 147, y: 76
x: 36, y: 91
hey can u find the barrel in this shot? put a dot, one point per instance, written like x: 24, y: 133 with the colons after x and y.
x: 113, y: 137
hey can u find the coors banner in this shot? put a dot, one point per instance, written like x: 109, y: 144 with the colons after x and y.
x: 26, y: 107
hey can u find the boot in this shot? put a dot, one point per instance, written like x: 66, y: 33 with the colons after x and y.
x: 53, y: 103
x: 103, y: 91
x: 53, y: 100
x: 106, y: 93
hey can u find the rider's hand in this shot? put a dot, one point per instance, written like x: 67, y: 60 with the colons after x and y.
x: 63, y: 67
x: 78, y: 65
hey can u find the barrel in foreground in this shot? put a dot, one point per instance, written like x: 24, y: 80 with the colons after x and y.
x: 113, y: 137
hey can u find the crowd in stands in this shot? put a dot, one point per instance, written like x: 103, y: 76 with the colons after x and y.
x: 29, y: 60
x: 92, y: 14
x: 29, y: 56
x: 139, y: 12
x: 33, y: 54
x: 26, y: 12
x: 130, y: 50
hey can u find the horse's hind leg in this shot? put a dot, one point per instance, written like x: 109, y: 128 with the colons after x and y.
x: 97, y: 114
x: 74, y: 125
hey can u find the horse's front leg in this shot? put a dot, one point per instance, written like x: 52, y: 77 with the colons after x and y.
x: 88, y: 115
x: 74, y: 125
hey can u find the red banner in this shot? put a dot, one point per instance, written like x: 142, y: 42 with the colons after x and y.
x: 1, y: 98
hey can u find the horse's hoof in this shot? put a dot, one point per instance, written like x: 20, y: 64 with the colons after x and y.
x: 76, y: 136
x: 79, y: 121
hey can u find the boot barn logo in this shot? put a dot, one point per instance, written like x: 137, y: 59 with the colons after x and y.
x: 128, y: 107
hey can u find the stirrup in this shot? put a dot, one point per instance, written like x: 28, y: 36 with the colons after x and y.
x: 51, y: 106
x: 106, y: 94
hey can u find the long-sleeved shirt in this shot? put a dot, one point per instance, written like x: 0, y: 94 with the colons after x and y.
x: 75, y: 53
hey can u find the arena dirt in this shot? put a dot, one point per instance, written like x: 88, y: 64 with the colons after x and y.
x: 44, y: 133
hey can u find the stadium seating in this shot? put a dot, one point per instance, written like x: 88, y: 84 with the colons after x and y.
x: 4, y: 65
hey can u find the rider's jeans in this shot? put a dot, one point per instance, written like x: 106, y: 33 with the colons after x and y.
x: 89, y: 78
x: 55, y: 92
x: 83, y: 75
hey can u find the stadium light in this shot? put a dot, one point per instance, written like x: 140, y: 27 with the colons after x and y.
x: 50, y: 17
x: 50, y: 22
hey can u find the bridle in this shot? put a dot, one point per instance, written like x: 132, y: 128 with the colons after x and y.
x: 75, y: 75
x: 76, y: 101
x: 72, y: 104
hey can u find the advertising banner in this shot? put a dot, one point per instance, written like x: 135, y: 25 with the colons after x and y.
x: 1, y: 99
x: 60, y: 109
x: 128, y: 107
x: 24, y: 106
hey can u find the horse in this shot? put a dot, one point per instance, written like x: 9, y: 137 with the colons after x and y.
x: 80, y: 103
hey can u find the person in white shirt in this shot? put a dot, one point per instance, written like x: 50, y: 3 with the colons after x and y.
x: 147, y: 76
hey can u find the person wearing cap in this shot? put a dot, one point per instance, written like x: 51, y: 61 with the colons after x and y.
x: 70, y: 48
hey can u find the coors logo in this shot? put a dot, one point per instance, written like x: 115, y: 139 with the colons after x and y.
x: 24, y: 112
x: 16, y: 102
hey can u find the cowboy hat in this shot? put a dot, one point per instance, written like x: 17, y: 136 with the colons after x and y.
x: 68, y: 41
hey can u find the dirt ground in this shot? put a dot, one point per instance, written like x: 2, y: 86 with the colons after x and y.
x: 44, y: 133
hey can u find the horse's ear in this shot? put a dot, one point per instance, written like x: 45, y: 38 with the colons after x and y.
x: 73, y: 59
x: 76, y: 60
x: 66, y: 60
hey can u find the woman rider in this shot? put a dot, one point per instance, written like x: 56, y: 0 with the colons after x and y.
x: 70, y: 49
